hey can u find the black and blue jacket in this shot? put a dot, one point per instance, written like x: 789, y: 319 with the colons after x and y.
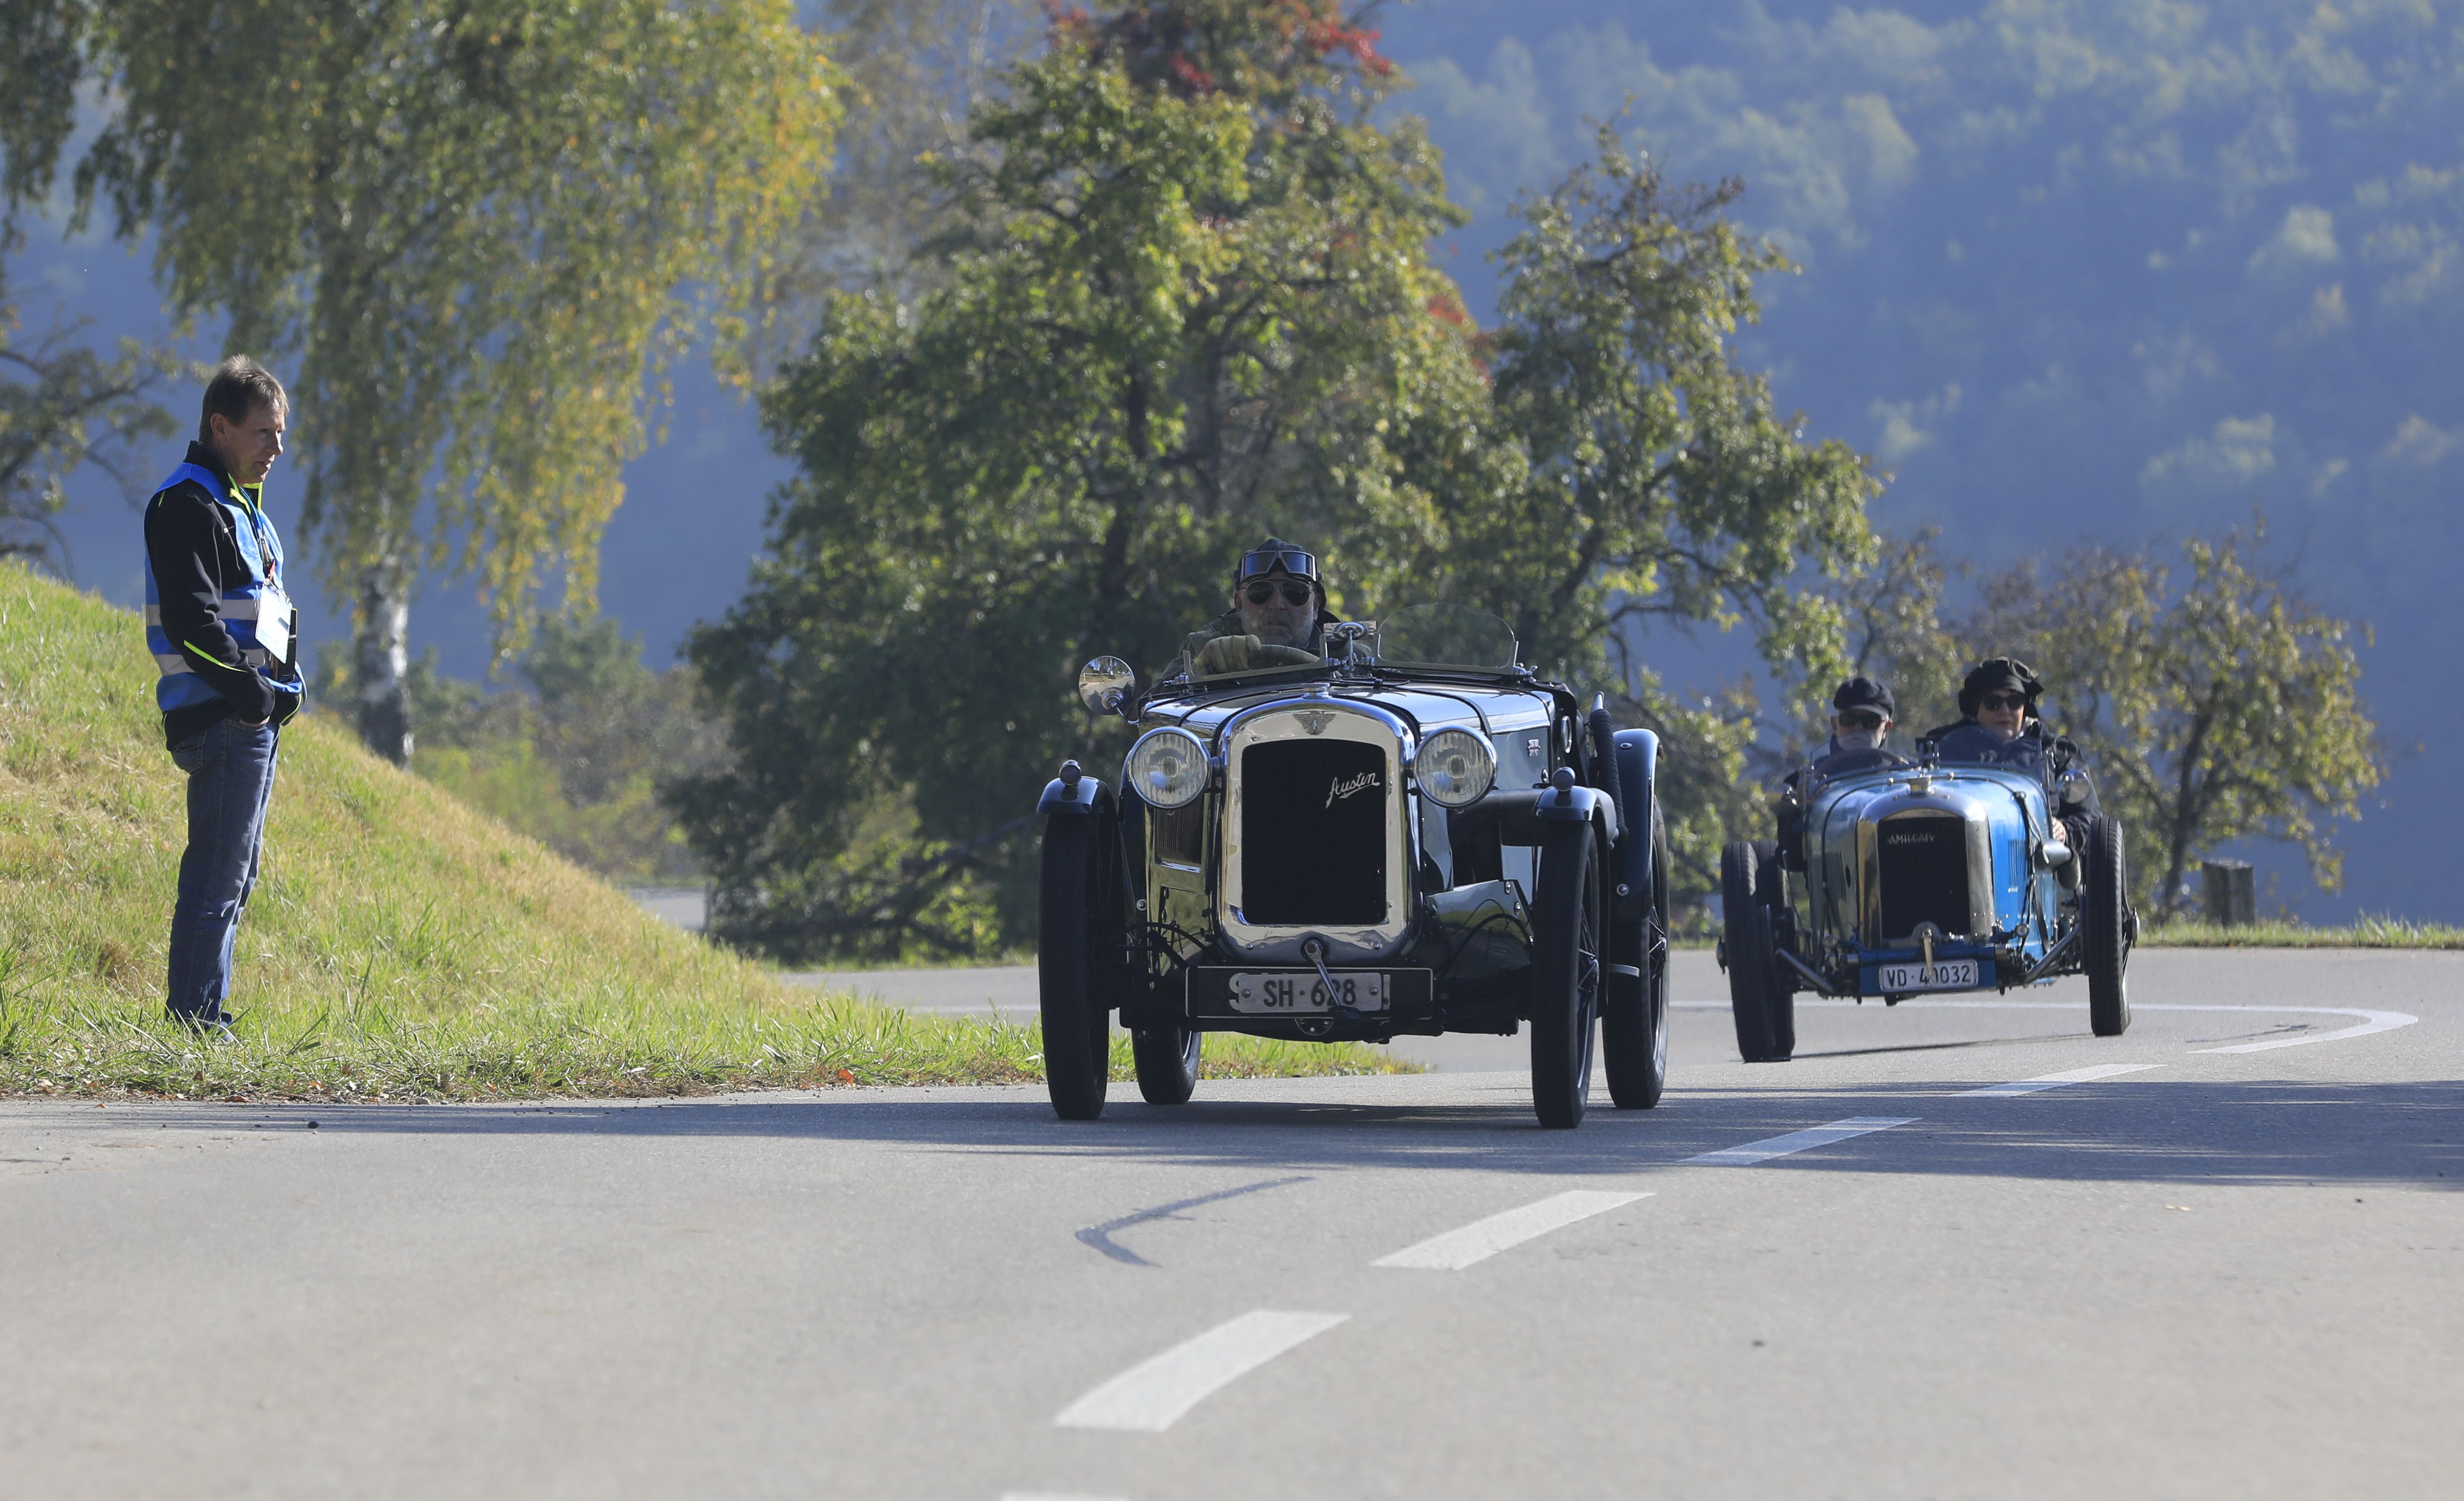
x: 218, y: 621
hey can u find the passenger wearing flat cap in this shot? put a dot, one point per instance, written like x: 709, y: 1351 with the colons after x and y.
x: 1861, y: 730
x: 1999, y: 727
x: 1278, y: 616
x: 1862, y: 711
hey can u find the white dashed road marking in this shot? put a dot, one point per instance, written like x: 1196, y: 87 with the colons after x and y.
x: 1152, y: 1394
x: 1769, y: 1147
x: 2054, y: 1081
x: 1483, y: 1239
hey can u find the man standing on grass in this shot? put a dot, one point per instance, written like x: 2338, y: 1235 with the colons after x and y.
x: 222, y: 631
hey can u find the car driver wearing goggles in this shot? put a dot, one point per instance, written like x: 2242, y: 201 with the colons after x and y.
x: 1278, y: 616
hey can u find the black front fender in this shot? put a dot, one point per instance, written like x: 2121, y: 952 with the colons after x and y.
x: 1086, y: 795
x: 1637, y: 763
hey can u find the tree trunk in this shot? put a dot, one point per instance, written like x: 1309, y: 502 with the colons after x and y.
x: 380, y: 649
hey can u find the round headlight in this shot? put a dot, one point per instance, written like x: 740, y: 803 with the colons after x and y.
x: 1168, y: 767
x: 1455, y: 767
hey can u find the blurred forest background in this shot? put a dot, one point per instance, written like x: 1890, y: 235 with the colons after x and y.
x: 2144, y: 310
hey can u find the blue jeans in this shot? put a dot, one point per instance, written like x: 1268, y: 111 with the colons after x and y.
x: 230, y: 774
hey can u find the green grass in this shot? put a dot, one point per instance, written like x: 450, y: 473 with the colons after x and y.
x: 400, y: 947
x: 2368, y: 933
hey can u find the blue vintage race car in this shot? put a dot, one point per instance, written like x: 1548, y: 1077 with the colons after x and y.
x: 1897, y: 881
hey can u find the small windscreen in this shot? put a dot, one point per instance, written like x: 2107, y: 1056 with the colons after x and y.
x: 1446, y: 636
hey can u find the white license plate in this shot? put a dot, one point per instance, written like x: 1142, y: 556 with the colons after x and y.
x: 1950, y: 974
x: 1292, y: 995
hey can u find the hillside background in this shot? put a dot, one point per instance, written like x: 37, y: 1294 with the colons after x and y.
x: 2115, y: 272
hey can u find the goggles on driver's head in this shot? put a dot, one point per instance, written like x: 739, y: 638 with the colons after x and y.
x: 1291, y: 560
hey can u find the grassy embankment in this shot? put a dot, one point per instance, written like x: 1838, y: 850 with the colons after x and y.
x: 400, y: 947
x: 2370, y: 933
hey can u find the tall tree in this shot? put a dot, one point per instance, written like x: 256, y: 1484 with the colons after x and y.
x: 1659, y: 483
x: 482, y: 228
x: 1194, y: 301
x: 1651, y: 483
x: 2219, y: 706
x: 1191, y: 299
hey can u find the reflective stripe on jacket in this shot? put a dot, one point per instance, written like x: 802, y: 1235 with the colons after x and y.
x: 255, y: 609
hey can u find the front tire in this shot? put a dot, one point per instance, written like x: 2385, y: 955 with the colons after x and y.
x: 1079, y: 939
x: 1633, y: 1019
x: 2105, y: 920
x: 1746, y: 939
x: 1779, y: 987
x: 1566, y: 974
x: 1167, y: 1060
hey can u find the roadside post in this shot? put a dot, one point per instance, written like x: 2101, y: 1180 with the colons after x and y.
x: 2230, y: 893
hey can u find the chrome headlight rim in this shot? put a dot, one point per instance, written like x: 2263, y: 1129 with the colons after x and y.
x: 1430, y: 782
x: 1157, y: 788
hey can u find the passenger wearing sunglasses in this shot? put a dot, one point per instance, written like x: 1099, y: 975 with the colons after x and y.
x: 1998, y: 724
x: 1999, y: 727
x: 1277, y: 619
x: 1861, y: 730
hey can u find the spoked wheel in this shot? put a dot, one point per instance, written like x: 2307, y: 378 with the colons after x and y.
x: 2104, y: 921
x: 1079, y: 936
x: 1167, y: 1059
x: 1744, y: 937
x: 1633, y: 1019
x: 1566, y: 974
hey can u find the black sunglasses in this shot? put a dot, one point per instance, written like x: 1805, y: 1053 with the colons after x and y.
x: 1860, y: 720
x: 2003, y: 701
x: 1293, y: 593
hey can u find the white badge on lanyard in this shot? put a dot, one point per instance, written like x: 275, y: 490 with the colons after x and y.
x: 273, y: 624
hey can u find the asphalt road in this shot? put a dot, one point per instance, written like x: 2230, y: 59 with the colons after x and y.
x: 2236, y: 1270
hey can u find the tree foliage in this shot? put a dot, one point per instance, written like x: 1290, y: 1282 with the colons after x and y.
x: 1648, y: 480
x: 64, y: 406
x: 915, y: 72
x: 1192, y: 301
x: 2218, y: 702
x: 1190, y: 275
x: 477, y: 226
x: 1657, y: 480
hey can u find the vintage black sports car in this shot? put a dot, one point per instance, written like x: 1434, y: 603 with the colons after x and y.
x: 1934, y: 876
x: 1413, y: 835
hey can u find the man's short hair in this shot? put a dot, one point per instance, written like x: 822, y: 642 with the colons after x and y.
x: 240, y: 386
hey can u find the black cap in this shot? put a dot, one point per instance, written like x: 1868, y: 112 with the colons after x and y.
x: 1865, y: 692
x: 1998, y: 674
x: 1272, y: 554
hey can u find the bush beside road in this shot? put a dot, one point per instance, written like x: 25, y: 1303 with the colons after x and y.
x: 400, y: 947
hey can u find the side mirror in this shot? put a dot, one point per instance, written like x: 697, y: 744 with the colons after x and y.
x: 1106, y: 684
